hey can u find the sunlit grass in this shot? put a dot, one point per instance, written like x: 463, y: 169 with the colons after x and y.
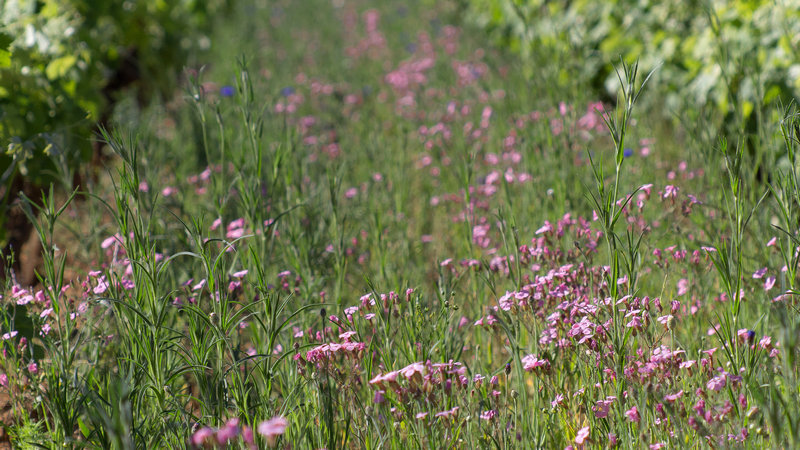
x: 372, y: 231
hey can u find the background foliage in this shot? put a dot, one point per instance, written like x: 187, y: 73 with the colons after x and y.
x: 62, y: 63
x: 719, y: 54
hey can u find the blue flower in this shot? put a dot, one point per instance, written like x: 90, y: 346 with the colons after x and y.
x: 287, y: 91
x: 627, y: 152
x: 226, y: 91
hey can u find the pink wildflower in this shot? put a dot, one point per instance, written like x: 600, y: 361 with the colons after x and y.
x: 671, y: 398
x: 228, y: 432
x: 273, y: 428
x: 633, y: 414
x: 582, y: 436
x: 488, y: 415
x: 201, y: 436
x: 532, y: 362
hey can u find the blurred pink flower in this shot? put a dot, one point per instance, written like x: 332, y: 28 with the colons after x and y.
x: 582, y: 435
x: 273, y: 428
x: 201, y: 436
x: 633, y: 414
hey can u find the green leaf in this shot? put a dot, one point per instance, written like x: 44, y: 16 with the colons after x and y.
x: 60, y: 66
x: 84, y: 429
x: 5, y: 41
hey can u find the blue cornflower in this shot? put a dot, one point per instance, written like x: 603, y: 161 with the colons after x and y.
x: 287, y: 91
x: 627, y: 152
x: 226, y: 91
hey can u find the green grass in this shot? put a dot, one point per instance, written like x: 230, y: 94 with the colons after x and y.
x: 434, y: 255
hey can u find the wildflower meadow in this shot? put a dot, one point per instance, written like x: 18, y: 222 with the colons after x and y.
x: 374, y: 225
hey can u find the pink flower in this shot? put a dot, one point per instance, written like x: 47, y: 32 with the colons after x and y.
x: 545, y: 229
x: 199, y: 285
x: 413, y: 372
x: 9, y: 335
x: 109, y: 241
x: 683, y: 286
x: 670, y: 191
x: 489, y: 415
x: 102, y: 285
x: 449, y: 413
x: 633, y: 414
x: 532, y: 362
x: 228, y: 432
x: 717, y: 383
x: 558, y: 400
x: 201, y: 436
x: 3, y: 380
x: 582, y: 435
x: 671, y: 398
x: 665, y: 320
x: 273, y: 428
x: 602, y: 407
